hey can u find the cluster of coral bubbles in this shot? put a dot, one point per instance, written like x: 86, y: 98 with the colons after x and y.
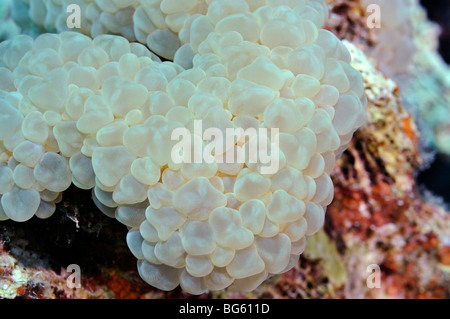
x: 99, y: 112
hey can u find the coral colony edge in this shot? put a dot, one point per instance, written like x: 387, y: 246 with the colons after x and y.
x: 99, y: 111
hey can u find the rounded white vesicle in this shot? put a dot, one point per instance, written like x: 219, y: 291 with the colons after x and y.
x: 298, y: 148
x: 103, y: 187
x: 69, y: 139
x: 134, y: 242
x: 3, y: 215
x: 180, y: 90
x: 164, y: 43
x: 180, y: 114
x: 199, y: 266
x: 262, y: 71
x: 327, y: 96
x: 19, y: 204
x: 123, y: 95
x: 10, y: 119
x: 134, y: 117
x: 227, y: 226
x: 160, y: 276
x: 305, y: 86
x: 114, y: 46
x: 243, y: 23
x: 232, y: 202
x: 217, y: 10
x: 315, y: 217
x: 270, y: 229
x: 159, y: 103
x: 250, y: 185
x: 218, y: 279
x: 8, y: 80
x: 191, y: 284
x: 171, y: 252
x: 45, y: 210
x: 84, y: 77
x: 28, y: 153
x: 148, y: 250
x: 221, y: 257
x: 6, y: 179
x: 82, y: 171
x: 296, y: 230
x: 100, y: 113
x: 149, y: 232
x: 51, y: 145
x: 49, y: 196
x: 53, y: 172
x: 166, y: 220
x: 308, y: 60
x: 311, y: 187
x: 111, y: 164
x: 348, y: 110
x: 335, y: 75
x: 316, y: 166
x: 129, y: 65
x: 275, y: 252
x: 104, y: 197
x: 129, y: 191
x: 217, y: 86
x: 52, y: 92
x: 14, y: 140
x: 131, y: 216
x: 97, y: 114
x: 277, y: 32
x: 108, y: 70
x: 284, y: 115
x: 145, y: 171
x: 324, y: 189
x: 320, y: 122
x: 34, y: 128
x: 298, y: 246
x: 253, y: 214
x: 72, y: 44
x: 93, y: 56
x: 172, y: 179
x: 217, y: 182
x: 112, y: 134
x: 248, y: 98
x: 284, y: 208
x: 292, y: 181
x: 251, y: 283
x: 159, y: 195
x: 23, y: 176
x: 198, y: 238
x: 200, y: 28
x: 75, y: 102
x: 153, y: 79
x: 197, y: 198
x: 329, y: 162
x: 184, y: 56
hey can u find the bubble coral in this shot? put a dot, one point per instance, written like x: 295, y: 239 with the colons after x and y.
x: 99, y: 114
x: 396, y: 47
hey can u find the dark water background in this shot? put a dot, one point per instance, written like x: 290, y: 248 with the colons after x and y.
x: 437, y: 177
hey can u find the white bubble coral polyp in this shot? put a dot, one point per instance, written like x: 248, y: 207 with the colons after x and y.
x: 99, y: 114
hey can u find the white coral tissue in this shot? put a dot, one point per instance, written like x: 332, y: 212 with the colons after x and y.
x: 99, y: 113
